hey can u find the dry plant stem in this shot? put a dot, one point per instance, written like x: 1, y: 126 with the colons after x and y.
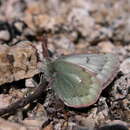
x: 24, y: 101
x: 45, y: 47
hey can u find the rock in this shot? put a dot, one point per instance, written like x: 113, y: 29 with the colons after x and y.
x: 85, y: 122
x: 33, y: 123
x: 49, y: 127
x: 125, y: 66
x: 5, y: 100
x: 106, y: 46
x: 120, y: 88
x: 116, y: 124
x: 36, y: 118
x: 29, y: 83
x: 5, y: 32
x: 63, y: 44
x: 17, y: 62
x: 6, y: 125
x: 19, y: 26
x: 13, y: 9
x: 4, y: 35
x: 120, y: 99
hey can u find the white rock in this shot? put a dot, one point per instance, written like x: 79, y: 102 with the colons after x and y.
x: 125, y: 66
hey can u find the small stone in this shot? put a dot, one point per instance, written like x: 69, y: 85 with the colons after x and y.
x: 120, y: 88
x: 85, y: 25
x: 115, y: 125
x: 85, y: 122
x: 125, y: 66
x: 49, y: 127
x: 36, y: 118
x: 33, y: 123
x: 106, y: 46
x: 19, y: 26
x: 4, y: 35
x: 119, y: 99
x: 29, y: 83
x: 6, y: 125
x: 63, y: 44
x: 5, y: 100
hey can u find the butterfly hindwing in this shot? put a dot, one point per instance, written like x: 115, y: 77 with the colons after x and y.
x: 74, y: 85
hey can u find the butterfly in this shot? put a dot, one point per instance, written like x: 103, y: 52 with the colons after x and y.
x: 79, y: 79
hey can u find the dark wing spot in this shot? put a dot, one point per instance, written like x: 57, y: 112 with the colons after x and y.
x: 87, y: 59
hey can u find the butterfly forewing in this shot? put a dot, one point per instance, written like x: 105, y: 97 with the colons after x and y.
x: 104, y: 66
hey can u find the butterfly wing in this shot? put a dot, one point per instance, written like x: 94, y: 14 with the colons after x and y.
x: 79, y: 79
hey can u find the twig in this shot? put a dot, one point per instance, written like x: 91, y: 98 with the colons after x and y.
x: 26, y: 100
x: 45, y: 47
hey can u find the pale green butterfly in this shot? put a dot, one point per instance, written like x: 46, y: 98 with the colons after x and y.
x: 79, y: 79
